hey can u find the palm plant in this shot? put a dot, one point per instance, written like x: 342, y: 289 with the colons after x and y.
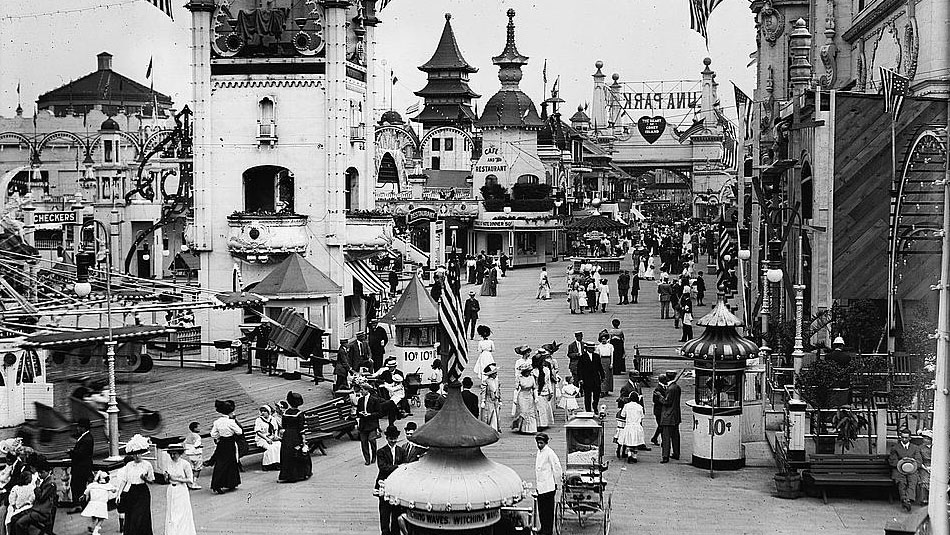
x: 847, y: 424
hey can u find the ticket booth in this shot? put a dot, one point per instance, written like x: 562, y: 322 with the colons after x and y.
x: 719, y: 359
x: 415, y: 318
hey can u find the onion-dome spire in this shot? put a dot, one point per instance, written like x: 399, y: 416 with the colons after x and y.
x: 510, y: 60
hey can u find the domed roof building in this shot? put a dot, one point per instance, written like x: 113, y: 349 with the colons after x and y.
x: 391, y: 117
x: 510, y: 107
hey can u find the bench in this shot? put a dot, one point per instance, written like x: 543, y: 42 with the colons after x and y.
x: 332, y: 419
x: 833, y: 470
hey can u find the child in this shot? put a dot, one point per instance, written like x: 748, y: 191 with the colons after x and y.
x: 194, y: 453
x: 21, y: 496
x: 97, y: 496
x: 621, y: 423
x: 631, y: 437
x: 568, y: 400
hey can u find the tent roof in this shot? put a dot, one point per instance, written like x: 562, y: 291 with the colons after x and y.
x: 296, y: 278
x: 415, y: 307
x: 596, y: 222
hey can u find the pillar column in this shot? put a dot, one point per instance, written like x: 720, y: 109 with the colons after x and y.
x: 202, y: 234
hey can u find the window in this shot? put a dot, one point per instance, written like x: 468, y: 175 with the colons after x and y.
x: 526, y: 244
x: 528, y: 179
x: 436, y: 162
x: 107, y: 152
x: 267, y: 129
x: 577, y: 153
x: 808, y: 193
x: 449, y: 144
x: 436, y: 143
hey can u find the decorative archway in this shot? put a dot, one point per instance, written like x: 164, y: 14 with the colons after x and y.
x: 444, y: 129
x: 61, y: 134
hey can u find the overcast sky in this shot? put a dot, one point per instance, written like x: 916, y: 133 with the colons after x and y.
x: 640, y: 39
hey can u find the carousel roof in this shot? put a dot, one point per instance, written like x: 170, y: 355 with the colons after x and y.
x: 454, y: 426
x: 415, y: 307
x: 595, y: 222
x: 66, y: 340
x: 719, y: 340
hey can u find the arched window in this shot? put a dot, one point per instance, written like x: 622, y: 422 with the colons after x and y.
x: 528, y: 179
x: 808, y: 192
x: 267, y: 124
x: 388, y: 172
x: 268, y: 188
x: 351, y: 201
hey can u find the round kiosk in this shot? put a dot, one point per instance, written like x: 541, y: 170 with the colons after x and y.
x: 416, y: 319
x: 719, y: 358
x: 454, y: 488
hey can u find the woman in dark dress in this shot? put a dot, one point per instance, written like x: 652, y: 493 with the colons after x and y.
x: 134, y: 499
x: 224, y: 431
x: 295, y: 464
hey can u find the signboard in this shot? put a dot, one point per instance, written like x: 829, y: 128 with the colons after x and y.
x: 492, y: 161
x: 414, y: 359
x: 62, y: 218
x: 651, y: 128
x: 680, y: 95
x: 452, y: 521
x: 728, y: 434
x: 423, y: 213
x: 491, y: 225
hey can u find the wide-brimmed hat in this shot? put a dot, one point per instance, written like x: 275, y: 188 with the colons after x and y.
x: 523, y: 350
x: 40, y: 462
x: 390, y: 361
x: 392, y: 432
x: 524, y: 366
x: 294, y: 399
x: 224, y: 406
x: 398, y: 378
x: 136, y: 445
x: 177, y: 447
x: 491, y: 368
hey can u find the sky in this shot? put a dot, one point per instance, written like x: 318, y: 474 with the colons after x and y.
x: 47, y: 43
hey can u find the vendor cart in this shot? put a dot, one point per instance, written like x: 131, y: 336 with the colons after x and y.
x: 584, y: 490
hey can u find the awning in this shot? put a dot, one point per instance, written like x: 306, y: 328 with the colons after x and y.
x: 80, y: 338
x: 637, y: 214
x: 361, y: 271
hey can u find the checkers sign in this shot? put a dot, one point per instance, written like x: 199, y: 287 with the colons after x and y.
x: 65, y: 218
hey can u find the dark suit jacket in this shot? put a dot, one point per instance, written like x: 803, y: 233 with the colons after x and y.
x: 623, y: 281
x: 45, y: 499
x: 665, y: 290
x: 472, y: 308
x: 81, y: 455
x: 589, y: 368
x: 671, y: 406
x: 658, y: 394
x: 575, y: 349
x: 412, y: 452
x: 898, y: 452
x: 471, y: 401
x: 368, y: 404
x: 357, y: 353
x: 386, y: 463
x: 627, y: 389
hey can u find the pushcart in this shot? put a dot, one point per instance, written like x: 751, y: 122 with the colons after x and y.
x: 584, y: 491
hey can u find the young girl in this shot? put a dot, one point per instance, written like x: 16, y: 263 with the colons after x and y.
x: 687, y: 324
x: 569, y: 393
x: 194, y: 452
x: 21, y: 496
x: 97, y: 495
x: 631, y: 438
x: 621, y: 423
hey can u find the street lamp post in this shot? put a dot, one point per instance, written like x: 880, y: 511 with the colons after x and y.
x: 83, y: 288
x: 798, y: 351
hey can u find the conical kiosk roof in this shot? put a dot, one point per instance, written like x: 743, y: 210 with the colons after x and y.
x: 415, y: 307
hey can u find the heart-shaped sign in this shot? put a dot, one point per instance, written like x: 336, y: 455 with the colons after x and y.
x: 651, y: 128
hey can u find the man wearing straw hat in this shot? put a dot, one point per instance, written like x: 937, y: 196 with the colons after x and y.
x: 905, y: 459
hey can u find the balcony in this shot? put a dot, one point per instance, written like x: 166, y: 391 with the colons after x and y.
x: 262, y: 234
x: 368, y: 230
x: 266, y: 133
x: 358, y: 132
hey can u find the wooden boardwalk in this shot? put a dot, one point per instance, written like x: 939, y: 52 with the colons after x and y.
x: 647, y: 497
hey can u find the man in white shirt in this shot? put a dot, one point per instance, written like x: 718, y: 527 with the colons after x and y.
x: 547, y: 471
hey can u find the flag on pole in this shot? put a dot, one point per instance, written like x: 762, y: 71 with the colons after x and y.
x: 744, y: 110
x: 544, y: 73
x: 895, y: 89
x: 453, y: 332
x: 18, y: 90
x: 164, y: 5
x: 148, y: 71
x: 554, y: 88
x: 726, y: 280
x: 699, y: 11
x: 694, y: 128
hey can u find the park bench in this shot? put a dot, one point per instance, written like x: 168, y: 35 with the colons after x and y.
x: 332, y: 419
x: 834, y: 470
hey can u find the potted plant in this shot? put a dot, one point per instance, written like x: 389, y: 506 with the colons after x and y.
x: 847, y: 424
x: 788, y: 481
x: 822, y: 385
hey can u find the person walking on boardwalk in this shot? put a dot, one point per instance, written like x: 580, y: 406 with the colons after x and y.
x: 470, y: 313
x: 490, y: 397
x: 617, y: 340
x: 179, y: 518
x: 623, y: 287
x: 665, y: 292
x: 905, y: 451
x: 544, y: 285
x: 635, y: 288
x: 226, y: 474
x: 295, y: 463
x: 670, y: 419
x: 548, y: 473
x: 388, y: 458
x: 591, y: 374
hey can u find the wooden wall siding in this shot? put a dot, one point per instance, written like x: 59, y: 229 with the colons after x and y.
x: 861, y: 193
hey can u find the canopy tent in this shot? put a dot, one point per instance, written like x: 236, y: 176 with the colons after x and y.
x: 67, y: 340
x: 595, y: 222
x: 296, y: 278
x: 415, y: 307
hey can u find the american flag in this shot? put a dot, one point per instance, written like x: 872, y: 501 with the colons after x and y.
x: 727, y: 280
x: 699, y: 11
x: 164, y: 5
x: 895, y: 89
x: 452, y: 331
x: 730, y: 143
x: 694, y: 128
x: 744, y: 109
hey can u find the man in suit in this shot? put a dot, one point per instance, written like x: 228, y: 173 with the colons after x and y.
x: 469, y: 397
x: 665, y: 291
x: 393, y: 281
x: 342, y: 368
x: 574, y: 351
x: 471, y: 314
x: 591, y: 374
x: 359, y: 352
x: 632, y: 385
x: 658, y: 394
x: 378, y: 338
x: 80, y: 465
x: 412, y: 451
x: 388, y: 458
x: 623, y: 286
x: 43, y: 504
x: 906, y: 483
x: 670, y: 419
x: 367, y: 421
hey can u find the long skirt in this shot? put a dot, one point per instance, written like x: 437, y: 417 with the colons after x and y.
x: 528, y: 411
x: 486, y: 288
x: 295, y: 465
x: 136, y: 503
x: 619, y: 354
x: 545, y: 411
x: 179, y: 519
x: 271, y: 454
x: 226, y: 474
x: 489, y: 415
x: 574, y: 301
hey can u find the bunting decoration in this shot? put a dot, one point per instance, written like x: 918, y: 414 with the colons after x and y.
x: 699, y: 11
x: 164, y: 5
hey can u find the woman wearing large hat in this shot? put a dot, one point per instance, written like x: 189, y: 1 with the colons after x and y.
x: 134, y: 499
x: 179, y: 519
x: 295, y: 464
x: 490, y: 397
x: 525, y: 410
x: 225, y: 430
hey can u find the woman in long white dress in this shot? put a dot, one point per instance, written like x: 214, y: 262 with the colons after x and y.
x: 179, y: 519
x: 490, y: 397
x: 526, y: 402
x: 486, y: 351
x: 603, y: 295
x: 267, y: 436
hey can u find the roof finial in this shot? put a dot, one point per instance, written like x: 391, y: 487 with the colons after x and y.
x: 511, y: 29
x: 448, y: 16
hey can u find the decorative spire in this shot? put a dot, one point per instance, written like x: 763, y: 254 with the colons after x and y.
x: 510, y: 60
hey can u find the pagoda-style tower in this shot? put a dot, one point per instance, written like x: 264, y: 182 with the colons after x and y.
x: 448, y: 98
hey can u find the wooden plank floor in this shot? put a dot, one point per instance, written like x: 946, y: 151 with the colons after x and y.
x: 647, y: 497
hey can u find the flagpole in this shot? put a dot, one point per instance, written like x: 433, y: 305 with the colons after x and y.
x: 891, y: 340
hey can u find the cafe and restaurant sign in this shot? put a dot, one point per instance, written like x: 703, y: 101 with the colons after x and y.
x: 453, y: 521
